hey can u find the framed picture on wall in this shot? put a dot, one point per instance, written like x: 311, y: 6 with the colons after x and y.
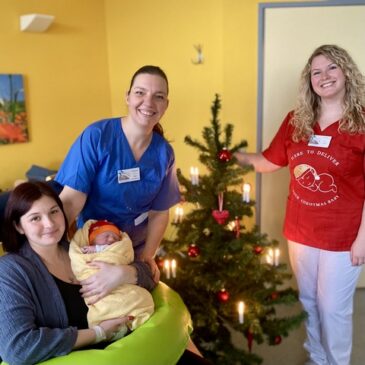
x: 13, y: 116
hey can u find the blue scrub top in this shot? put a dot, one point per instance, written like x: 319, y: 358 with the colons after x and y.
x: 101, y: 164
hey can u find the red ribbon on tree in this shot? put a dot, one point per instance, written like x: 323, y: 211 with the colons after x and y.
x: 249, y: 336
x: 237, y: 227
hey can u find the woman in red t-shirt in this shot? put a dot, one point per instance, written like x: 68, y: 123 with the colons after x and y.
x: 323, y: 143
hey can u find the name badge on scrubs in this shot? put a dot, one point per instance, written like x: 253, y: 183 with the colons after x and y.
x: 128, y: 175
x: 319, y: 141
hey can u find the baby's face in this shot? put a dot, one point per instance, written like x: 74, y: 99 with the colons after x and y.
x: 105, y: 238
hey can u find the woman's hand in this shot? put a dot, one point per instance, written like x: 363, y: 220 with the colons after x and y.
x: 111, y: 326
x: 358, y: 246
x: 157, y: 223
x: 257, y: 160
x: 358, y: 252
x: 88, y: 336
x: 154, y: 268
x: 107, y: 278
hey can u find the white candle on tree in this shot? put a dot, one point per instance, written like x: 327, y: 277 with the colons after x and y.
x: 179, y: 212
x: 173, y: 268
x: 241, y: 310
x: 194, y: 175
x: 166, y: 266
x: 272, y: 257
x: 276, y: 256
x: 246, y: 192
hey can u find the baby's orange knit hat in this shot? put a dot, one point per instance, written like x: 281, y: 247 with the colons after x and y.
x: 100, y: 227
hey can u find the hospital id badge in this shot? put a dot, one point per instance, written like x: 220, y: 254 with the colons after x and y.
x: 128, y: 175
x: 319, y: 141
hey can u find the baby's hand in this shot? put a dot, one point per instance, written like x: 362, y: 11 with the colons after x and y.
x: 112, y: 326
x: 88, y: 249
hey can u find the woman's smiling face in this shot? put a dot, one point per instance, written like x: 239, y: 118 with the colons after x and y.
x: 147, y: 100
x: 43, y: 224
x: 327, y: 78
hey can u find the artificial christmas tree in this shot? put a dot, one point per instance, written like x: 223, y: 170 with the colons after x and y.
x: 222, y: 274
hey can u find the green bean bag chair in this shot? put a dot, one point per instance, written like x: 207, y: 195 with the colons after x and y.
x: 159, y: 341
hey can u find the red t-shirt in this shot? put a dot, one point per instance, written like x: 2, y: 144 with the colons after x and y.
x: 327, y: 185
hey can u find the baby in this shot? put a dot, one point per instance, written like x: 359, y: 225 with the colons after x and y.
x: 103, y: 241
x: 101, y: 235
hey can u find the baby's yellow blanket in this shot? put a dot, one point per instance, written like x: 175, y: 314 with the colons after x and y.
x: 127, y: 299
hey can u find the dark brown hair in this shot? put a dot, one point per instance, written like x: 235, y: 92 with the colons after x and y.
x: 20, y: 202
x: 151, y: 70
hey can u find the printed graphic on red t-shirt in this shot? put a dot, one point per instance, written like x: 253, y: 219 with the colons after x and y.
x: 313, y: 185
x: 308, y: 177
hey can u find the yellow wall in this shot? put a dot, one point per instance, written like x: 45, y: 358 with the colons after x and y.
x: 164, y: 32
x: 79, y: 70
x: 66, y: 78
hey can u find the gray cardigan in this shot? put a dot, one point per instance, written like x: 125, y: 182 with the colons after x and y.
x: 33, y: 319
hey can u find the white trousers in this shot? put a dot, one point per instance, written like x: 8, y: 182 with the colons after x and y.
x: 326, y: 282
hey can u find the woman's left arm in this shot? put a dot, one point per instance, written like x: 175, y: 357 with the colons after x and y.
x: 157, y: 223
x: 358, y: 247
x: 29, y: 331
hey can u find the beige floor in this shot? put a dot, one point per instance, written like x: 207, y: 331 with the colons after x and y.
x: 291, y: 352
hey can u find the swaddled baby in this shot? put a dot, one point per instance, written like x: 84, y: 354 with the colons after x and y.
x: 103, y: 241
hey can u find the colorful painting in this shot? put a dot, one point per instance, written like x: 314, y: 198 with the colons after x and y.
x: 13, y: 117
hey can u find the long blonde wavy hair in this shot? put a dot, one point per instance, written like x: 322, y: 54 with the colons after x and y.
x: 308, y: 106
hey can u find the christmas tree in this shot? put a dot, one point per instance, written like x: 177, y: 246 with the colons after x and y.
x: 229, y: 277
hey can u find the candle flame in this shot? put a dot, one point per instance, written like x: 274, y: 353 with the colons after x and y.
x: 241, y: 307
x: 246, y: 187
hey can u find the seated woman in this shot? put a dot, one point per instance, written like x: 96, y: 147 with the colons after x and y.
x: 42, y: 312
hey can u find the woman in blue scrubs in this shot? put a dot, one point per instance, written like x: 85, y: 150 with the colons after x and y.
x: 123, y: 170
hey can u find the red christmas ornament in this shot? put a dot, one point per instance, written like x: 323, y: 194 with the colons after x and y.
x: 274, y: 295
x: 220, y: 216
x: 258, y: 250
x: 193, y: 250
x: 224, y: 155
x: 223, y: 295
x: 277, y: 340
x: 159, y: 262
x: 249, y: 336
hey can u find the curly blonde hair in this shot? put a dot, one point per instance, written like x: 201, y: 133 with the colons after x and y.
x: 308, y: 106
